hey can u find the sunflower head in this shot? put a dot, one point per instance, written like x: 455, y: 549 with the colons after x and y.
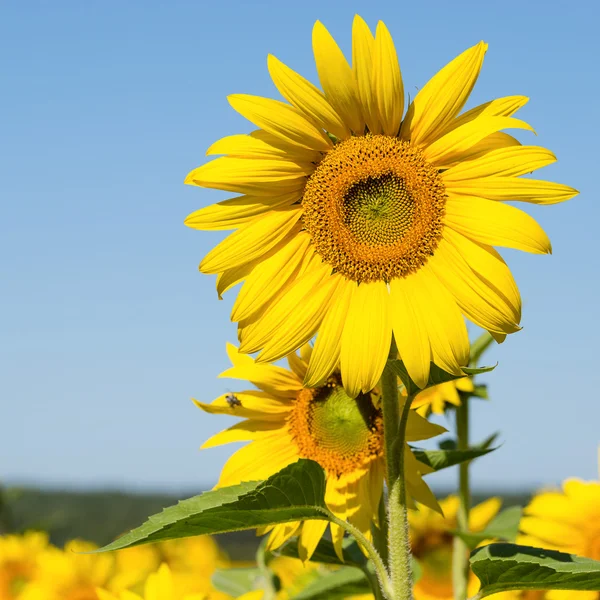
x: 286, y: 421
x: 358, y: 220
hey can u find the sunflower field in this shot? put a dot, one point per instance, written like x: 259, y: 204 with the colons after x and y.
x: 362, y: 254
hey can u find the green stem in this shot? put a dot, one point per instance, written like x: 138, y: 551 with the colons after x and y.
x: 380, y: 570
x: 394, y: 431
x: 460, y: 555
x: 380, y: 534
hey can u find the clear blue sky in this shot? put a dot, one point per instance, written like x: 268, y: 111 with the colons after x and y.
x: 106, y: 327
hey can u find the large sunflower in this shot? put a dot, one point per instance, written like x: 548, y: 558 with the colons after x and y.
x: 355, y: 222
x: 286, y: 421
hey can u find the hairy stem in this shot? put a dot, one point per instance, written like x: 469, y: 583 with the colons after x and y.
x: 460, y: 555
x: 394, y: 429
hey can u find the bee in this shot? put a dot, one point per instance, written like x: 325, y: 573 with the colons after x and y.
x: 232, y: 400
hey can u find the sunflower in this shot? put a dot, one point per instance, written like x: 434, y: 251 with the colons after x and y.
x: 356, y: 219
x: 567, y: 520
x: 19, y: 561
x: 435, y: 398
x: 159, y: 586
x: 286, y: 421
x: 432, y: 543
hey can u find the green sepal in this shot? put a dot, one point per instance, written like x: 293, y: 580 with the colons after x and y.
x: 442, y: 459
x: 505, y: 567
x: 504, y: 526
x: 436, y: 375
x: 295, y: 493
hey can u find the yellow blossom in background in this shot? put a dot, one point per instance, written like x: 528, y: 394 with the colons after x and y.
x: 567, y: 520
x: 342, y: 187
x: 19, y: 556
x: 435, y: 398
x: 285, y: 421
x: 431, y: 544
x: 159, y: 586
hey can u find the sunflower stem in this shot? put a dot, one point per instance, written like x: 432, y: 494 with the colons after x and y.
x: 460, y: 554
x: 394, y: 431
x: 382, y: 574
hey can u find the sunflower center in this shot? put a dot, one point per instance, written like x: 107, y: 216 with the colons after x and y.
x: 342, y: 434
x: 374, y: 208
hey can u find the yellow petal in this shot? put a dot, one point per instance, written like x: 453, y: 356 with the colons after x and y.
x: 249, y: 404
x: 500, y: 107
x: 336, y: 78
x: 306, y: 98
x: 296, y: 317
x: 516, y: 188
x: 280, y: 120
x: 326, y: 353
x: 387, y: 82
x: 363, y: 44
x: 416, y: 487
x: 249, y: 464
x: 242, y: 432
x: 556, y: 533
x: 492, y: 142
x: 270, y: 276
x: 464, y: 137
x: 497, y: 224
x: 272, y: 379
x: 506, y: 162
x: 445, y: 325
x: 259, y: 177
x: 230, y: 214
x: 418, y: 428
x: 483, y: 513
x: 230, y: 277
x: 310, y: 536
x: 261, y: 144
x: 297, y: 365
x: 301, y: 308
x: 366, y: 338
x: 251, y: 240
x: 482, y: 301
x: 410, y: 332
x: 442, y: 97
x: 282, y: 533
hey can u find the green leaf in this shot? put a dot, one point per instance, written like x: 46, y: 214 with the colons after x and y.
x: 479, y: 391
x: 479, y: 346
x: 325, y: 553
x: 504, y: 526
x: 336, y: 585
x: 505, y: 567
x: 442, y: 459
x: 294, y: 494
x: 236, y: 582
x: 436, y: 375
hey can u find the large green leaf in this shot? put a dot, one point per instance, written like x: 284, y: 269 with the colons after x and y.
x: 442, y: 459
x: 436, y: 375
x: 505, y: 567
x: 295, y: 493
x: 504, y: 526
x: 325, y: 553
x: 336, y: 585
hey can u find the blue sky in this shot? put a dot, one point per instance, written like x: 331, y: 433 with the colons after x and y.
x: 106, y: 327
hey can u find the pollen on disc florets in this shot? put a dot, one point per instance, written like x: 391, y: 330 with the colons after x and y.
x: 344, y: 435
x: 374, y: 208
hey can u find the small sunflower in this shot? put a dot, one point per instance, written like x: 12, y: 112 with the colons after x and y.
x: 567, y: 520
x: 435, y: 398
x: 286, y: 421
x: 432, y: 545
x: 356, y: 219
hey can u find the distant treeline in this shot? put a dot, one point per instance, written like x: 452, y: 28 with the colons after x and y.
x: 102, y: 516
